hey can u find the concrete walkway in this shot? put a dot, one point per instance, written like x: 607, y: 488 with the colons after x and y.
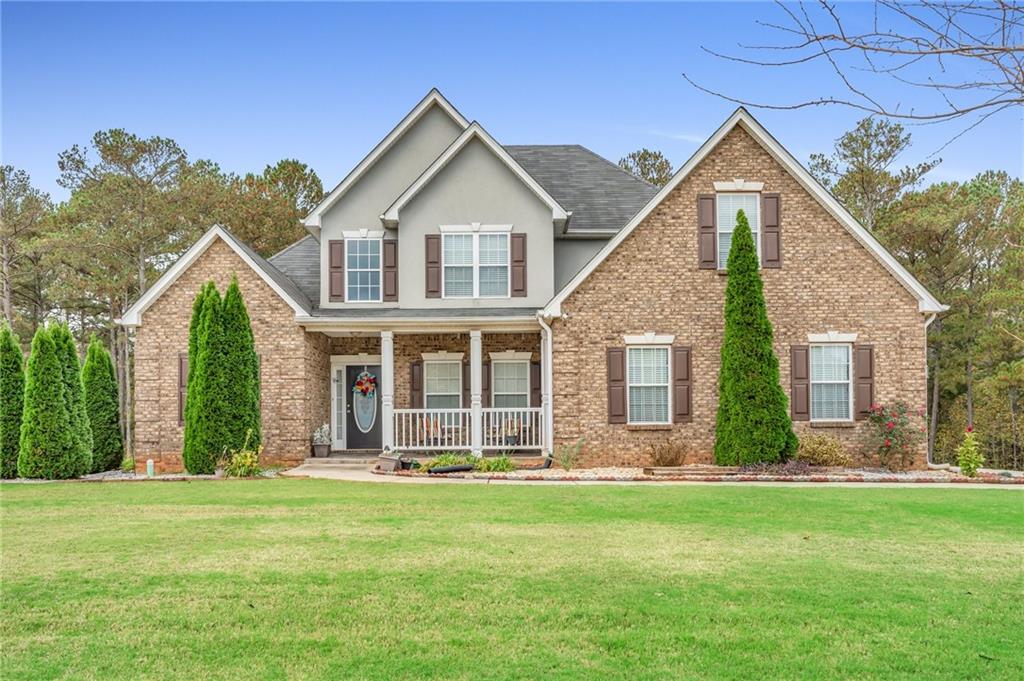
x: 328, y: 472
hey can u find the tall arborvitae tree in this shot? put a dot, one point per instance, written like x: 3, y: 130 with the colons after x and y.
x: 198, y: 453
x: 753, y: 423
x: 74, y: 397
x: 101, y: 404
x: 46, y: 449
x: 241, y: 372
x: 12, y: 393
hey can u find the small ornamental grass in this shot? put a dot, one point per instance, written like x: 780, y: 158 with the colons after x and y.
x: 892, y: 435
x: 567, y: 455
x: 244, y: 462
x: 968, y: 455
x: 497, y: 464
x: 667, y: 454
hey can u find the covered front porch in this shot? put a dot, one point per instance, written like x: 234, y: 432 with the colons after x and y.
x: 482, y: 391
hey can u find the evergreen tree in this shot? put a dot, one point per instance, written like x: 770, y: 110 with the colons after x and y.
x: 46, y: 449
x: 101, y: 405
x: 201, y: 427
x: 74, y: 397
x: 753, y: 424
x: 240, y: 372
x: 12, y: 394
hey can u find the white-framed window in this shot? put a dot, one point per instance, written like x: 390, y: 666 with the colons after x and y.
x: 510, y: 384
x: 831, y: 382
x: 647, y: 384
x: 475, y: 265
x: 362, y: 270
x: 442, y: 384
x: 727, y: 206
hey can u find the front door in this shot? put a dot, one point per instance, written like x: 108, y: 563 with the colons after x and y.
x: 361, y: 397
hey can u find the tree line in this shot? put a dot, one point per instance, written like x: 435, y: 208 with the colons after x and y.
x: 135, y: 205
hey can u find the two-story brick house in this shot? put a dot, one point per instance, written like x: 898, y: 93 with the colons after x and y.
x: 488, y: 297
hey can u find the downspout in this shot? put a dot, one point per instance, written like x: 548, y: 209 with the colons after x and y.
x: 928, y: 449
x: 549, y: 373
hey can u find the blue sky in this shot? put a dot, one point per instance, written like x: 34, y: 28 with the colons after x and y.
x: 248, y: 84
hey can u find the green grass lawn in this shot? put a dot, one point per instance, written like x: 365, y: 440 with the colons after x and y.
x: 289, y: 579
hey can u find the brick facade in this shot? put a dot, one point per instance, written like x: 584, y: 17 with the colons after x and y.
x: 651, y: 282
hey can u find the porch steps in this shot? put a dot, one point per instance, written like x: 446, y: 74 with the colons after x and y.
x: 361, y: 461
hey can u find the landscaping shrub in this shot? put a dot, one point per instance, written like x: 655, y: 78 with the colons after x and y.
x: 245, y: 461
x: 101, y: 406
x: 753, y: 423
x: 446, y: 459
x: 46, y: 449
x: 12, y: 401
x: 497, y: 464
x: 968, y: 454
x: 240, y: 373
x: 892, y: 435
x: 822, y: 449
x: 567, y: 455
x: 667, y: 454
x: 200, y: 451
x: 74, y: 397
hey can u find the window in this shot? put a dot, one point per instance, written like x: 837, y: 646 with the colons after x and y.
x: 830, y: 383
x: 475, y: 266
x: 728, y: 205
x: 362, y: 270
x: 442, y: 384
x: 647, y: 378
x: 510, y: 384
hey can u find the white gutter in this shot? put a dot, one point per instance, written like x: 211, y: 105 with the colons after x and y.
x: 549, y: 374
x: 928, y: 448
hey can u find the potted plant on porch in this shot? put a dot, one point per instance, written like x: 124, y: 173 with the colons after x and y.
x: 322, y: 441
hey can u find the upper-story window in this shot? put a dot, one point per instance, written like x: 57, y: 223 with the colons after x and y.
x: 362, y: 270
x: 728, y: 205
x: 475, y: 265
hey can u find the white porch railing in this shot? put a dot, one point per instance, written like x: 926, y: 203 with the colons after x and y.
x: 517, y: 428
x: 426, y: 429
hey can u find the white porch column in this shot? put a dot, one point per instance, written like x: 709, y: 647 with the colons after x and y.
x: 476, y: 400
x: 387, y: 390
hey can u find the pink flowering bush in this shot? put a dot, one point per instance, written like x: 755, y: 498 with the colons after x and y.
x: 892, y: 434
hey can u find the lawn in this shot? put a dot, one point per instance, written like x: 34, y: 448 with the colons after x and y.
x: 289, y: 579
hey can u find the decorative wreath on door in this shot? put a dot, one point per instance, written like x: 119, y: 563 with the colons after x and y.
x: 365, y: 385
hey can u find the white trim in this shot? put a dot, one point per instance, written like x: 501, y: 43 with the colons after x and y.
x: 831, y: 337
x: 361, y: 358
x: 442, y: 356
x: 473, y: 227
x: 380, y: 267
x: 339, y: 436
x: 511, y: 355
x: 474, y: 131
x: 848, y: 382
x: 133, y: 316
x: 363, y: 233
x: 493, y: 324
x: 434, y: 97
x: 668, y: 386
x: 650, y: 338
x: 739, y: 186
x: 926, y: 302
x: 475, y: 266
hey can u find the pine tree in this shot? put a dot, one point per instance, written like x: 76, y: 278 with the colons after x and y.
x: 753, y: 424
x: 12, y: 400
x: 240, y: 372
x: 101, y: 405
x: 74, y: 397
x: 199, y: 451
x: 46, y: 449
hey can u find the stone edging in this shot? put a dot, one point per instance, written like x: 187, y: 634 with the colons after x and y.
x: 981, y: 479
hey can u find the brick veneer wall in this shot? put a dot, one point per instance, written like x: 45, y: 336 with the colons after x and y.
x: 288, y: 355
x: 651, y: 282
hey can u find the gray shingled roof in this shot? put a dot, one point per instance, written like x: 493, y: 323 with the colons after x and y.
x: 280, y: 278
x: 301, y: 263
x: 601, y: 195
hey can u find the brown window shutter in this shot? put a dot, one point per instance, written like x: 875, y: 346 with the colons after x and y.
x: 517, y: 260
x: 535, y: 384
x: 467, y: 394
x: 863, y: 380
x: 389, y: 270
x: 617, y: 385
x: 485, y: 384
x: 682, y: 385
x: 771, y: 231
x: 707, y: 236
x: 800, y: 382
x: 433, y: 251
x: 416, y: 385
x: 336, y: 269
x: 182, y: 385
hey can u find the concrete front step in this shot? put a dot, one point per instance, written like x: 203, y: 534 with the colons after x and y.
x: 353, y: 462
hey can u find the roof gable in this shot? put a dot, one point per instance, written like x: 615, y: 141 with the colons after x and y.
x: 927, y: 303
x: 474, y: 132
x: 433, y: 99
